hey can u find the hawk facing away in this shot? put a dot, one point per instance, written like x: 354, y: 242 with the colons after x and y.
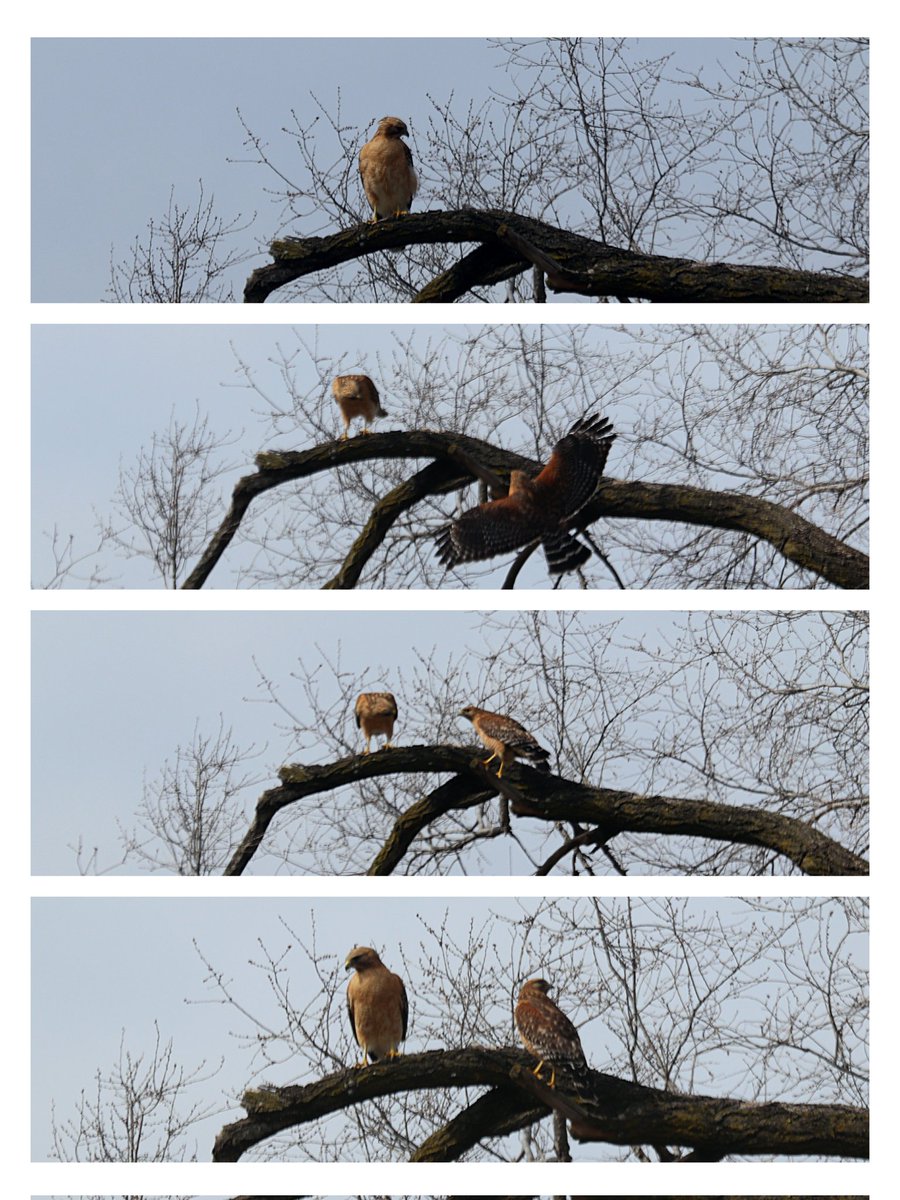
x: 376, y: 713
x: 505, y: 738
x: 376, y: 1001
x: 386, y: 167
x: 538, y: 509
x: 356, y: 396
x: 546, y: 1031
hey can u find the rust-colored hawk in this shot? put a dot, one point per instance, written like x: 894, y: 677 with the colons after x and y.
x: 505, y: 738
x: 539, y: 509
x: 546, y: 1031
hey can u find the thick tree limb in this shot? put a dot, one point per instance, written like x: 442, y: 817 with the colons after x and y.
x: 509, y: 244
x: 796, y: 538
x: 599, y: 1107
x: 535, y: 794
x: 495, y: 1114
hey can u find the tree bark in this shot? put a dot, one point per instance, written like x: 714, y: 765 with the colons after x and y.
x: 599, y: 1108
x: 508, y: 244
x: 535, y: 794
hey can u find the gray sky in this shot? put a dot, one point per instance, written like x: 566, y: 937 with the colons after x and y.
x: 117, y: 122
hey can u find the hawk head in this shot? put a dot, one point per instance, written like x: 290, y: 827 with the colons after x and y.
x: 392, y: 127
x: 539, y: 985
x: 362, y: 957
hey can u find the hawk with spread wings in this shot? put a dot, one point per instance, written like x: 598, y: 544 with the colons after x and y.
x: 386, y: 166
x: 378, y: 1007
x: 546, y: 1031
x: 376, y: 713
x: 356, y: 396
x: 505, y: 738
x: 538, y: 509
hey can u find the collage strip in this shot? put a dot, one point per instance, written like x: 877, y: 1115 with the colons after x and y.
x: 549, y: 805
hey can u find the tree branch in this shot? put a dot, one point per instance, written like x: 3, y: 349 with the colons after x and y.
x: 796, y: 538
x: 599, y: 1107
x: 510, y: 244
x: 536, y: 794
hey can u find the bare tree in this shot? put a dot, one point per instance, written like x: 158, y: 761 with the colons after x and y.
x: 140, y: 1110
x: 190, y: 814
x: 715, y: 744
x: 708, y: 1036
x: 166, y: 502
x: 184, y: 259
x: 593, y: 168
x: 740, y: 460
x: 729, y: 744
x: 741, y: 447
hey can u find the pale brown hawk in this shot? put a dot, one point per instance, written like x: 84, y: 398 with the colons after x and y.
x: 357, y: 396
x: 378, y: 1007
x: 376, y: 713
x: 386, y: 166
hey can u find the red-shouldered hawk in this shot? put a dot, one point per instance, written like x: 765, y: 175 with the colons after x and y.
x: 376, y: 713
x: 546, y: 1031
x: 386, y: 167
x: 505, y: 738
x: 356, y: 396
x: 537, y: 509
x: 376, y: 1001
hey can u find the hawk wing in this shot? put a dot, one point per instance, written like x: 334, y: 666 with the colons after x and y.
x: 486, y: 531
x: 571, y: 475
x: 536, y: 509
x: 404, y: 1006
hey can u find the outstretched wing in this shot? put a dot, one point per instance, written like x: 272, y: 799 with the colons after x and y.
x: 571, y: 475
x: 488, y: 530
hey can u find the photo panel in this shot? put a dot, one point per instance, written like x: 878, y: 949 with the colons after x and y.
x: 592, y: 1029
x: 451, y: 457
x: 680, y: 169
x: 598, y: 744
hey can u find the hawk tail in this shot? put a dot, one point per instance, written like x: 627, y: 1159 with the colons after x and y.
x: 535, y: 754
x: 565, y: 553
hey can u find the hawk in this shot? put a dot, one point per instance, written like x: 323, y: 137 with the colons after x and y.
x: 386, y: 167
x: 376, y: 713
x: 546, y: 1031
x: 538, y: 509
x: 505, y: 738
x: 356, y: 396
x: 376, y: 1001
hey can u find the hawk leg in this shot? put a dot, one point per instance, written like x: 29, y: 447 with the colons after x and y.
x: 537, y: 1071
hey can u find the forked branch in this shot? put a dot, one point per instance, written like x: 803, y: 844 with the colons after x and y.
x: 797, y: 539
